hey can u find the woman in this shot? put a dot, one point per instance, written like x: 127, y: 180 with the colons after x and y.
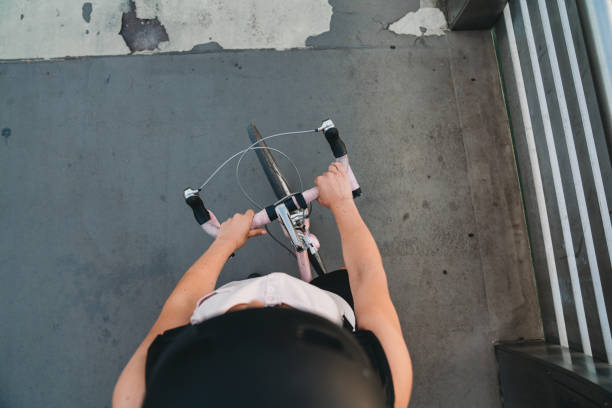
x: 276, y: 340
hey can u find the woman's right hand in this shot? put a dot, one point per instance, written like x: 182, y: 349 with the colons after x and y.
x: 236, y: 230
x: 334, y: 187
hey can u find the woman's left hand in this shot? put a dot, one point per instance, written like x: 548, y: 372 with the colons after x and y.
x: 235, y: 231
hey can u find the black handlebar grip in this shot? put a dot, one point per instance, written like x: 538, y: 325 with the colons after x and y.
x: 199, y: 211
x: 336, y: 144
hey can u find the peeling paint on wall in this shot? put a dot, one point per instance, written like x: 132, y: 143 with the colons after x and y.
x: 141, y: 34
x: 87, y: 9
x: 42, y: 29
x: 424, y: 21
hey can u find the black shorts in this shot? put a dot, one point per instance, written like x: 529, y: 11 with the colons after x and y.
x: 336, y: 282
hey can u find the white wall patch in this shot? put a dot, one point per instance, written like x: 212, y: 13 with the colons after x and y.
x: 277, y: 24
x: 424, y: 21
x: 32, y: 29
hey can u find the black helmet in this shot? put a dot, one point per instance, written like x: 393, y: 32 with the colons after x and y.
x: 266, y: 357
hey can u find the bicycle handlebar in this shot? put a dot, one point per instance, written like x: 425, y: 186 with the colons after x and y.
x: 337, y: 145
x: 211, y: 225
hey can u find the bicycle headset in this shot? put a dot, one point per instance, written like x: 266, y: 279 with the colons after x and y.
x: 265, y: 357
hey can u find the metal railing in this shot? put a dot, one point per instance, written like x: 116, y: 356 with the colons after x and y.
x: 542, y: 63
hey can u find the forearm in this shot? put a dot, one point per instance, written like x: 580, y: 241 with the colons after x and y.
x: 359, y: 250
x: 202, y: 276
x: 364, y: 265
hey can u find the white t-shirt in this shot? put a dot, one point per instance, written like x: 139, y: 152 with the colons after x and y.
x: 272, y: 290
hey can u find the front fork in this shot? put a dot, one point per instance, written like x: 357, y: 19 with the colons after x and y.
x: 296, y: 227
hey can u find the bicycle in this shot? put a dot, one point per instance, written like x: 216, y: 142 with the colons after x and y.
x: 292, y: 209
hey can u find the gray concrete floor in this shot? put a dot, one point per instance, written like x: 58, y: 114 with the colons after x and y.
x: 96, y: 233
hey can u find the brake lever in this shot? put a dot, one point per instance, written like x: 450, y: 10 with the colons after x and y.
x: 325, y: 126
